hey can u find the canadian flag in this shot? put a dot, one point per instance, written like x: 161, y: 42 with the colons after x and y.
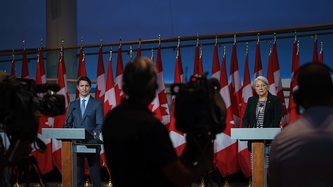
x: 109, y: 102
x: 244, y: 159
x: 225, y: 148
x: 25, y: 69
x: 164, y: 108
x: 216, y: 64
x: 235, y: 87
x: 270, y: 73
x: 177, y: 137
x: 109, y: 97
x: 197, y: 70
x: 257, y: 62
x: 59, y: 120
x: 293, y: 83
x: 155, y: 104
x: 44, y: 159
x: 315, y: 51
x: 278, y: 85
x: 100, y: 85
x: 138, y: 52
x: 12, y: 68
x: 81, y: 68
x: 119, y: 76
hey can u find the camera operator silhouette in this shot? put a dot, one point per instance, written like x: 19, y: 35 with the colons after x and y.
x: 138, y: 149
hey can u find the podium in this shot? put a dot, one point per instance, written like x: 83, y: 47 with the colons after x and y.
x: 68, y: 137
x: 258, y: 135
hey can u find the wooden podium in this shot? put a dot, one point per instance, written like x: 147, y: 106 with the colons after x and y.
x: 68, y: 136
x: 258, y: 135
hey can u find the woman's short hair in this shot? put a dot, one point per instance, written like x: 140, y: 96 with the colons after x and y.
x: 262, y: 78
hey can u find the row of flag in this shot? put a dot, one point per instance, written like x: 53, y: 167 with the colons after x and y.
x: 230, y: 155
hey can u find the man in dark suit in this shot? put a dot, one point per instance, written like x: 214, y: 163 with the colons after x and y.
x: 86, y: 112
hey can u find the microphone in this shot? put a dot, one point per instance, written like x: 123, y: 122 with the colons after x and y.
x: 66, y: 121
x: 41, y: 88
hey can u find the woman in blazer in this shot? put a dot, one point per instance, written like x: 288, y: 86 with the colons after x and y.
x: 263, y: 110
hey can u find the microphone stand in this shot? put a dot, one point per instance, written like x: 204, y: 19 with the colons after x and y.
x: 66, y: 121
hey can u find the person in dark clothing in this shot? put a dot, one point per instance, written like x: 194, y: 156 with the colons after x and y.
x: 301, y: 154
x: 263, y: 110
x: 138, y: 149
x: 86, y: 112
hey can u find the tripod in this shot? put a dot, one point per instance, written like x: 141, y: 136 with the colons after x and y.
x: 199, y: 148
x: 25, y: 167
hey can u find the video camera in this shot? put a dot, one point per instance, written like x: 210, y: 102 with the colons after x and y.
x: 199, y: 106
x: 21, y: 100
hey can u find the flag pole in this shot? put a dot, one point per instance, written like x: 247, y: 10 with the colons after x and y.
x: 159, y: 39
x: 130, y: 52
x: 216, y: 40
x: 41, y: 43
x: 110, y: 58
x: 152, y: 54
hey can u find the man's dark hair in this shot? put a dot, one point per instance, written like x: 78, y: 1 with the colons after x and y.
x: 315, y: 83
x: 83, y: 78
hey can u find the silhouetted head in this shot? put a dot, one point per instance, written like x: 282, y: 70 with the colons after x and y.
x: 140, y: 79
x: 315, y: 85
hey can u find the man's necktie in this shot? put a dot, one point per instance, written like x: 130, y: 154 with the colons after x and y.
x: 83, y: 106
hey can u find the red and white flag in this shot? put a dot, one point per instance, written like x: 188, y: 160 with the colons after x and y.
x: 235, y: 87
x: 177, y: 137
x: 25, y: 69
x: 109, y: 102
x: 257, y: 63
x: 110, y: 96
x: 196, y: 68
x: 278, y: 85
x: 225, y: 148
x: 138, y: 52
x: 12, y: 68
x: 315, y: 51
x: 100, y: 84
x: 164, y: 108
x: 59, y: 120
x: 244, y: 158
x: 81, y: 69
x: 119, y: 76
x: 270, y: 73
x: 44, y: 159
x: 154, y: 106
x: 216, y: 64
x: 293, y: 83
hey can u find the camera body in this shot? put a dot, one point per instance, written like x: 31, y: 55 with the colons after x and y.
x: 199, y: 106
x: 21, y: 101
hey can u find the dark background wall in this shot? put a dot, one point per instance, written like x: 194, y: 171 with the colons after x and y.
x: 147, y: 19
